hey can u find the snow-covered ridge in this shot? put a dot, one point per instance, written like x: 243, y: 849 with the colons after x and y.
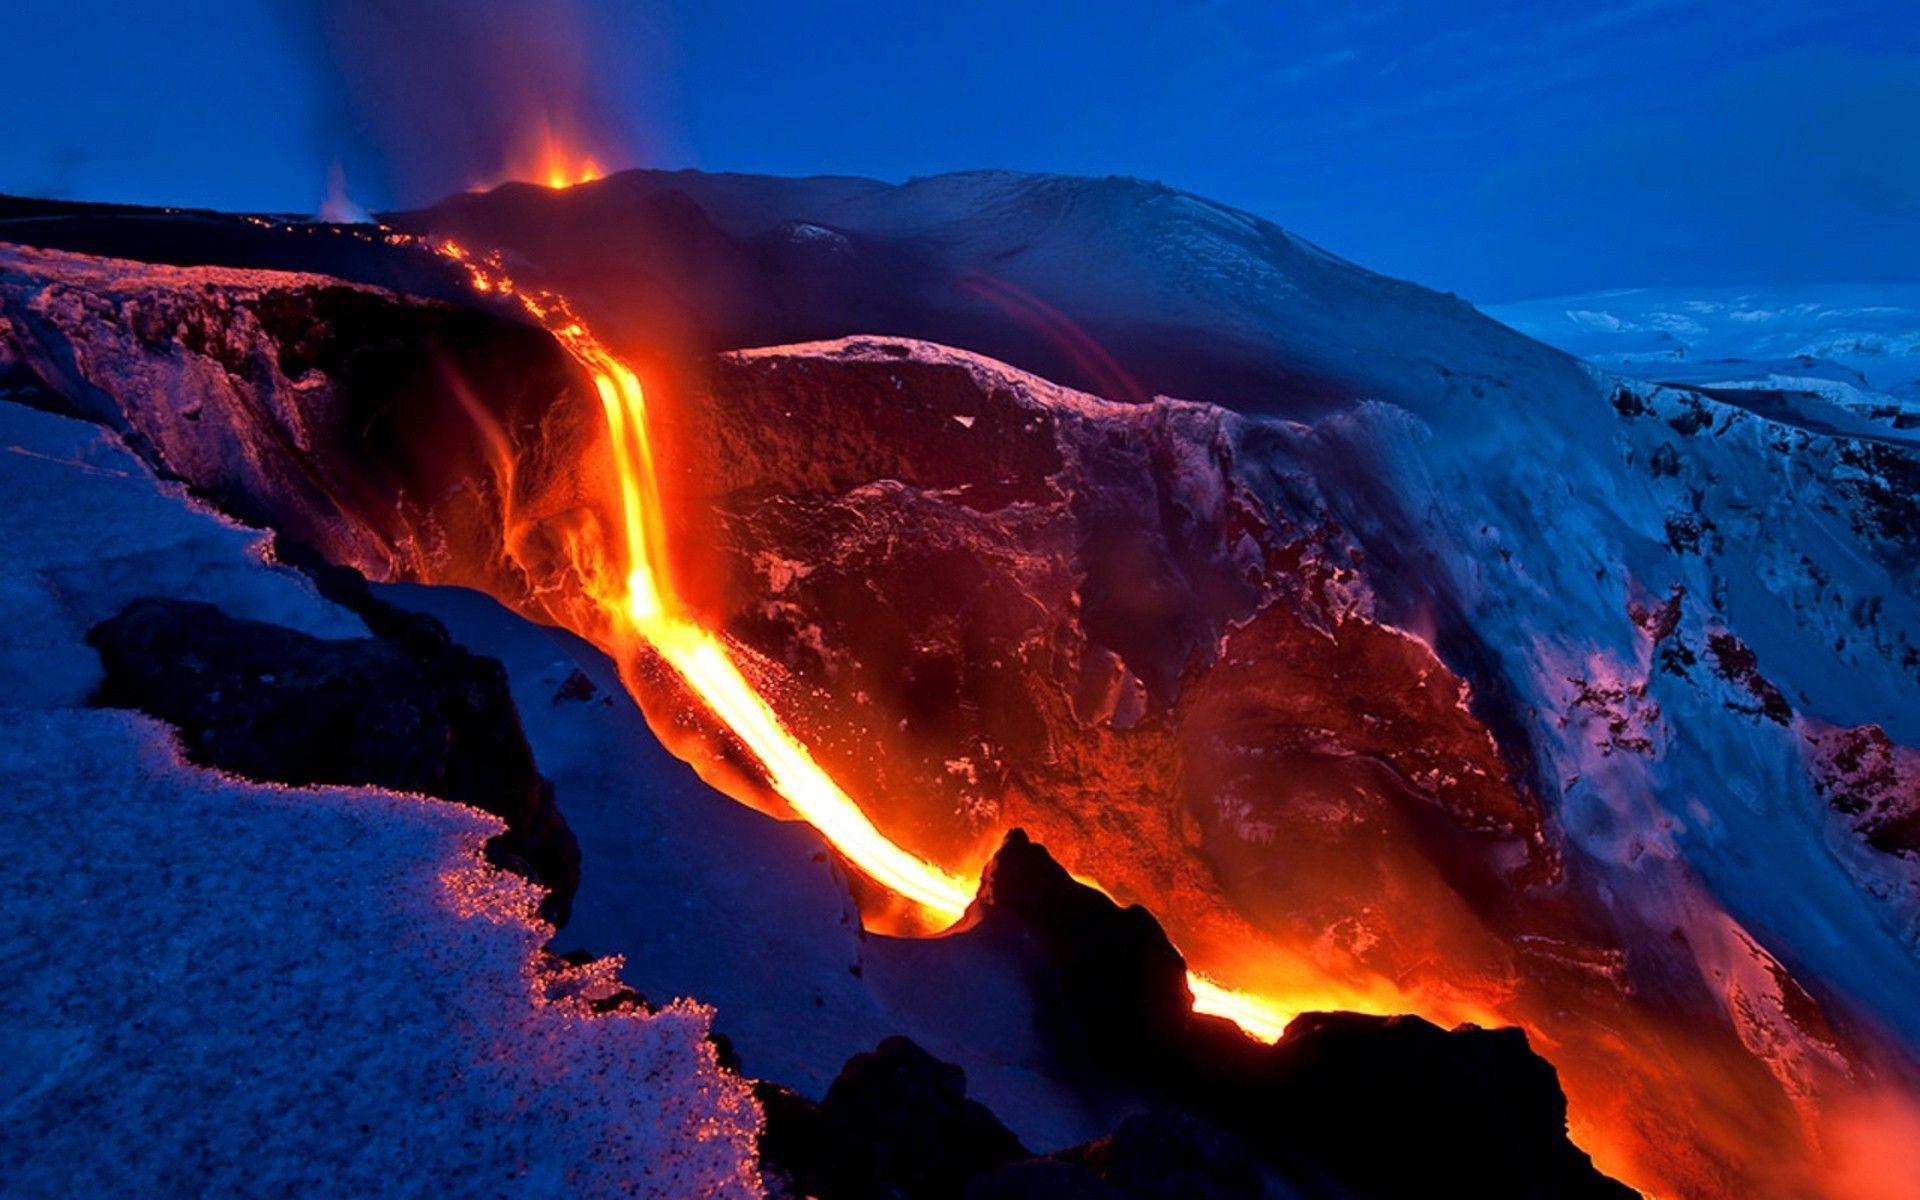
x: 1183, y: 295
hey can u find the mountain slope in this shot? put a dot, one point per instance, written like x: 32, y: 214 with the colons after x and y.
x: 1119, y: 286
x: 1679, y: 622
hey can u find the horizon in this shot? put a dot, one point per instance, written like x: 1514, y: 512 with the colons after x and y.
x: 1698, y: 287
x: 1648, y: 143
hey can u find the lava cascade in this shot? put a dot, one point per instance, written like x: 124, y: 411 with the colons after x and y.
x: 643, y: 612
x: 741, y: 745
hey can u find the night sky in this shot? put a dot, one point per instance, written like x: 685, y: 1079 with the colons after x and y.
x: 1497, y: 151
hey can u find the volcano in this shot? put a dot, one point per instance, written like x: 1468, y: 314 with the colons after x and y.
x: 1055, y: 683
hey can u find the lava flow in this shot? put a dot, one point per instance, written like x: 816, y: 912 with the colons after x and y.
x: 640, y: 603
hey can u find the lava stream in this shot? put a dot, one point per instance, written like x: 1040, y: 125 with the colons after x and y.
x: 643, y: 605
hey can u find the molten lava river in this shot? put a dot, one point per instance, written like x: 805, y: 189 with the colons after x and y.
x: 1662, y: 1103
x: 641, y: 613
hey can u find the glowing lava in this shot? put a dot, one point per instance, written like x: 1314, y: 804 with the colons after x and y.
x: 561, y: 172
x: 640, y: 603
x: 551, y: 159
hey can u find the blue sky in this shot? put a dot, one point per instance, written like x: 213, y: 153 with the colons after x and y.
x: 1499, y: 151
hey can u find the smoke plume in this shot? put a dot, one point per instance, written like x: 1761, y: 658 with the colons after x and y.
x: 420, y: 98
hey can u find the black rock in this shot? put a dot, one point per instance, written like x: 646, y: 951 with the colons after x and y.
x: 1343, y: 1104
x: 1470, y: 1106
x: 408, y: 710
x: 895, y: 1123
x: 1173, y: 1156
x: 1045, y: 1179
x: 1113, y: 988
x: 576, y: 686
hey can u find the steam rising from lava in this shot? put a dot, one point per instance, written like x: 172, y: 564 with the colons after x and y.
x: 430, y: 97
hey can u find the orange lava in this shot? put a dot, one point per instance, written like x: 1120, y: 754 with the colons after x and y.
x: 550, y: 158
x: 640, y: 604
x: 1619, y: 1067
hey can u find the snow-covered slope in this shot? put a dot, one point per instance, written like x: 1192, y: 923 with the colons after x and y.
x: 212, y: 987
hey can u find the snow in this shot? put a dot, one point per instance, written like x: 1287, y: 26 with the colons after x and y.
x: 1508, y: 496
x: 988, y: 373
x: 703, y: 896
x: 213, y: 987
x: 805, y: 231
x: 1720, y: 809
x: 1872, y: 329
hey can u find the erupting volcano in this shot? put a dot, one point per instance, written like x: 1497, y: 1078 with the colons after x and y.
x: 555, y: 162
x: 639, y: 682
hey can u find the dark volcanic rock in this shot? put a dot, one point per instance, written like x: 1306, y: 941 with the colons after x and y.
x: 1041, y: 1179
x: 1474, y: 1111
x: 1172, y: 1156
x: 1343, y: 1105
x: 408, y: 710
x: 1373, y: 1106
x: 1113, y: 987
x: 897, y: 1122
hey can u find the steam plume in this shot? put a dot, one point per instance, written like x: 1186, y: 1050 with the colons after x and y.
x: 420, y: 98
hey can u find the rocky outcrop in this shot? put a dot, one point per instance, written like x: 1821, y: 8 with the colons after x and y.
x: 1008, y: 603
x: 1871, y: 786
x: 1473, y: 1107
x: 1378, y: 1108
x: 1873, y: 783
x: 897, y: 1122
x: 408, y: 710
x: 1113, y: 987
x: 410, y: 438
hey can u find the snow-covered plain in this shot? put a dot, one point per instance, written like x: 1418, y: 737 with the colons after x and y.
x: 1872, y: 330
x: 212, y: 987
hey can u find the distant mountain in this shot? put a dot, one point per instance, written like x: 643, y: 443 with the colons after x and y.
x: 1870, y: 331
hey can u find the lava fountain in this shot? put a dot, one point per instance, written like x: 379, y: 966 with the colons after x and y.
x: 548, y: 158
